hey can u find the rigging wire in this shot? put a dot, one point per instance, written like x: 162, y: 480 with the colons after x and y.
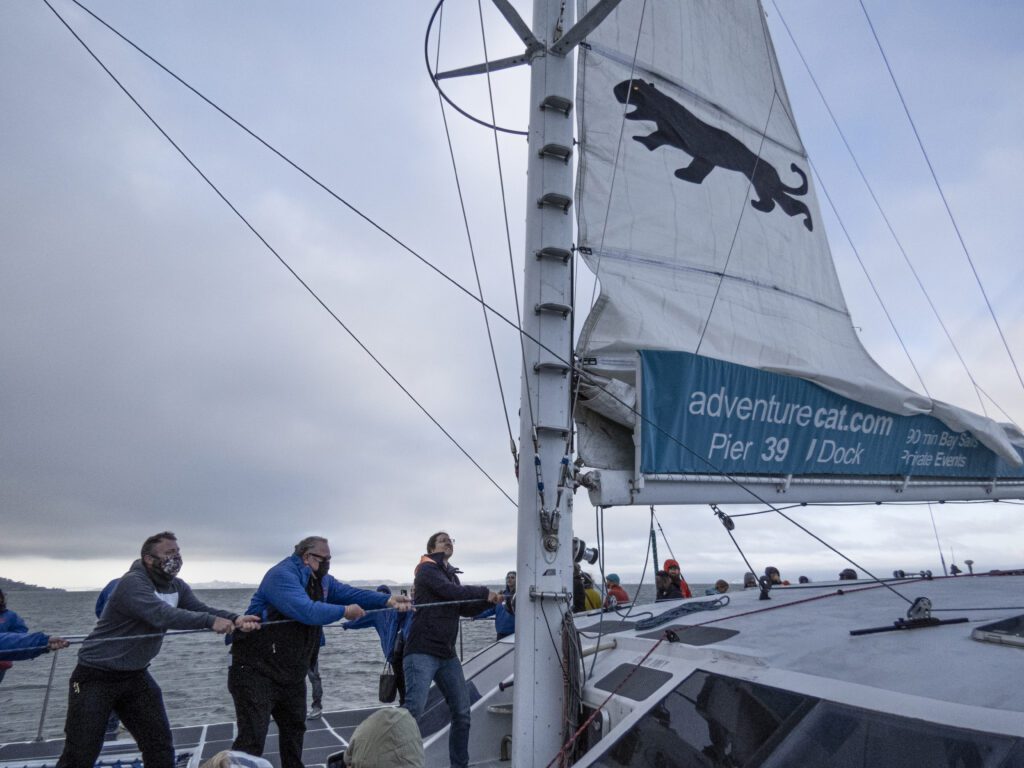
x: 411, y: 251
x: 508, y: 233
x: 938, y: 544
x: 871, y: 282
x: 322, y: 185
x: 433, y: 79
x: 942, y: 194
x: 576, y: 370
x: 472, y: 254
x: 739, y: 220
x: 892, y: 231
x: 278, y: 256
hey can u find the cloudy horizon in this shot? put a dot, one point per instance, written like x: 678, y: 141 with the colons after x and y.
x: 161, y: 370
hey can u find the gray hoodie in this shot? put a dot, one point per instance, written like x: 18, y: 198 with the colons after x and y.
x: 139, y: 606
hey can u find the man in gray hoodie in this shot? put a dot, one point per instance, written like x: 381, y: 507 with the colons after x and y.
x: 111, y: 675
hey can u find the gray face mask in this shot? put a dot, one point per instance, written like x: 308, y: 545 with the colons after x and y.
x: 170, y: 566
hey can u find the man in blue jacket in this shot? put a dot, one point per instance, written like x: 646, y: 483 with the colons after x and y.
x: 504, y: 617
x: 268, y: 669
x: 430, y: 647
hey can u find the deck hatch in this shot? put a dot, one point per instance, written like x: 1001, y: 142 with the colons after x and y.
x: 691, y: 635
x: 642, y: 683
x: 1006, y: 632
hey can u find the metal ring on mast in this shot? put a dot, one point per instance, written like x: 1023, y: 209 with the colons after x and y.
x: 440, y: 91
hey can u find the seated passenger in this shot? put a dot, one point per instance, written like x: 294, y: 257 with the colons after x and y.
x: 749, y: 580
x: 677, y: 577
x: 591, y: 597
x: 389, y: 738
x: 615, y: 594
x: 774, y: 578
x: 666, y: 589
x: 847, y: 574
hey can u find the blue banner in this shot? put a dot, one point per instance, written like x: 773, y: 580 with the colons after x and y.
x: 706, y: 416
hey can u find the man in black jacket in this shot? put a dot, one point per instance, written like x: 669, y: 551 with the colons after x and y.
x: 430, y: 647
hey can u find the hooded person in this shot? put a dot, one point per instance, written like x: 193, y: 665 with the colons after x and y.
x: 674, y: 572
x: 389, y: 738
x: 666, y: 588
x: 615, y: 594
x: 113, y: 663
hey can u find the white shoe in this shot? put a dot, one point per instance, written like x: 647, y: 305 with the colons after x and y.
x: 315, y: 713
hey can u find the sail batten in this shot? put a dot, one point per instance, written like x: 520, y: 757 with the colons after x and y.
x: 698, y: 215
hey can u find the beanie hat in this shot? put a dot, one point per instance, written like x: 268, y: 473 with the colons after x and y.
x: 389, y: 738
x: 384, y: 588
x: 612, y: 578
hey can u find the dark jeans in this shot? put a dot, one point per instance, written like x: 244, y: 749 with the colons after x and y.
x: 257, y: 699
x: 136, y: 698
x: 420, y: 670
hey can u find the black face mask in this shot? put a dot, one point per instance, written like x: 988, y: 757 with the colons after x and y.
x: 322, y: 569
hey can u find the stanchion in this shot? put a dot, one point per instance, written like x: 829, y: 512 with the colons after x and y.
x: 46, y: 697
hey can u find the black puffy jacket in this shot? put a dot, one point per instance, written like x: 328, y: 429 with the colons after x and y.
x: 434, y: 630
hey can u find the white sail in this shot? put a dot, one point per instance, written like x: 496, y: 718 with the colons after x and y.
x: 697, y: 213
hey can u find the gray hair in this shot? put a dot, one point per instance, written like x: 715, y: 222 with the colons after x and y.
x: 307, y: 544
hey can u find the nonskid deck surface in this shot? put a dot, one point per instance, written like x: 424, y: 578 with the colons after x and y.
x: 324, y: 737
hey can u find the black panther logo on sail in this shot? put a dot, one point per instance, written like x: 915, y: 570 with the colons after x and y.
x: 710, y: 148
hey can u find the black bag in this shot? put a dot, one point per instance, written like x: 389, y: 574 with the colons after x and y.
x: 388, y: 688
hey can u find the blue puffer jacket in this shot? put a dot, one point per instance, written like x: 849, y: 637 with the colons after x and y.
x: 283, y: 590
x: 434, y: 630
x: 388, y: 624
x: 11, y: 622
x: 504, y: 619
x: 18, y: 646
x: 283, y: 652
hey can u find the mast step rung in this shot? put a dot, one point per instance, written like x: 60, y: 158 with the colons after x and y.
x: 555, y: 200
x: 499, y: 709
x: 551, y: 306
x: 557, y: 151
x: 557, y: 103
x: 550, y: 252
x: 551, y: 367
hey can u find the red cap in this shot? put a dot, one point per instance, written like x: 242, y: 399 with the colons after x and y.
x: 670, y: 564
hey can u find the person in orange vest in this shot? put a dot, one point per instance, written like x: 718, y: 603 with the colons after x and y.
x: 676, y: 575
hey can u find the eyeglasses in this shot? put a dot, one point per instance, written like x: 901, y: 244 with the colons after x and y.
x: 320, y: 557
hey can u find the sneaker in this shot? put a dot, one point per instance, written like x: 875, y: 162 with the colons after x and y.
x: 315, y: 712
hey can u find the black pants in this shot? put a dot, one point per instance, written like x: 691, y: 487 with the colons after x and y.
x: 257, y: 699
x: 136, y: 698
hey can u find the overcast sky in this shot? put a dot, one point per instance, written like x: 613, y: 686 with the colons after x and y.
x: 160, y: 369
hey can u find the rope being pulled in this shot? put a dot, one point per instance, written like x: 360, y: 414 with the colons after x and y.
x: 83, y: 639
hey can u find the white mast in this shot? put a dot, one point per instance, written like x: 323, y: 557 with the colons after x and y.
x: 544, y: 559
